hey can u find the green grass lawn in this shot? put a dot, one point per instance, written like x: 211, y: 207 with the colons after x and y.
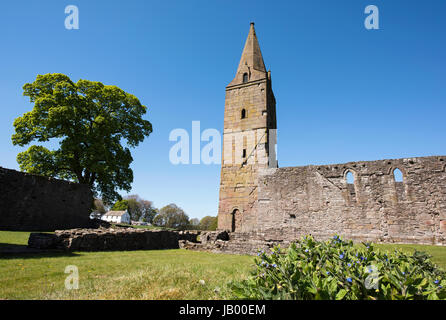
x: 438, y: 253
x: 157, y: 274
x: 8, y: 238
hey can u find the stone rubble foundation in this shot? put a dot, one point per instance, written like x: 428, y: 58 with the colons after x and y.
x: 123, y: 239
x: 116, y: 239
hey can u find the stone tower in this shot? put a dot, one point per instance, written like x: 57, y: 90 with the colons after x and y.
x: 249, y: 138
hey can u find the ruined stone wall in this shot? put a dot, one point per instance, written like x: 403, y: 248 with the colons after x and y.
x: 30, y: 202
x: 318, y: 200
x: 111, y: 239
x: 237, y: 242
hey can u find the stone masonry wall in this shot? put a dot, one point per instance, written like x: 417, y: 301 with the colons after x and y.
x: 318, y: 200
x: 30, y: 202
x: 239, y: 174
x: 238, y: 192
x: 236, y: 242
x: 110, y: 239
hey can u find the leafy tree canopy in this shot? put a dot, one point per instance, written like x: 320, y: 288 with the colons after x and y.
x: 90, y: 121
x: 208, y: 223
x: 121, y: 205
x: 141, y: 208
x: 172, y: 216
x: 137, y: 207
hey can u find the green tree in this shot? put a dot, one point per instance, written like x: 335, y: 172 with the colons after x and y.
x: 214, y: 224
x: 134, y: 208
x: 121, y: 205
x: 149, y: 211
x: 140, y: 208
x: 172, y: 216
x: 95, y: 126
x: 208, y: 223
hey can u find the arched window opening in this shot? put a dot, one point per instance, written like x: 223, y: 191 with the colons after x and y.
x: 400, y: 188
x: 243, y: 115
x: 350, y: 178
x: 245, y: 77
x: 398, y: 175
x: 235, y: 225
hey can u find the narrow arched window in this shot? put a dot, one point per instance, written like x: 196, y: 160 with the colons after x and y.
x: 398, y: 175
x: 235, y: 225
x: 400, y: 188
x: 350, y: 178
x: 243, y: 115
x: 245, y: 77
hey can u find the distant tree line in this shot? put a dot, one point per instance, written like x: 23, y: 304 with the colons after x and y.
x: 170, y: 216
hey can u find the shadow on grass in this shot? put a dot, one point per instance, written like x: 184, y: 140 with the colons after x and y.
x: 18, y: 251
x: 11, y: 245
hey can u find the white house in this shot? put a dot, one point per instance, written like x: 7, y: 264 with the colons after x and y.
x: 117, y: 217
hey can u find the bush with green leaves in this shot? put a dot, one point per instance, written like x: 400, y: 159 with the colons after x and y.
x: 338, y: 269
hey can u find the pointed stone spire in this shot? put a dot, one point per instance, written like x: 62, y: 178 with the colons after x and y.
x: 251, y: 62
x: 252, y: 56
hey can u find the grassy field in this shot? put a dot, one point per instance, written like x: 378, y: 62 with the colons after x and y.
x: 160, y: 274
x: 438, y: 253
x: 163, y: 274
x: 8, y: 238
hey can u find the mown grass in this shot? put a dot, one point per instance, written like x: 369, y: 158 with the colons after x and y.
x: 8, y: 238
x: 438, y: 253
x: 157, y: 274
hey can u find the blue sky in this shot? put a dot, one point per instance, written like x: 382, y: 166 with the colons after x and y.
x: 343, y: 93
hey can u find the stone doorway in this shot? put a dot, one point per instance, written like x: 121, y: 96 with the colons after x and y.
x: 236, y: 220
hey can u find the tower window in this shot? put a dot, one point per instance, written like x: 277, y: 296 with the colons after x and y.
x: 245, y: 77
x: 243, y: 116
x: 244, y: 153
x: 398, y: 175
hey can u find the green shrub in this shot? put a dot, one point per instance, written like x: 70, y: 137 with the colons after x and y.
x: 337, y: 269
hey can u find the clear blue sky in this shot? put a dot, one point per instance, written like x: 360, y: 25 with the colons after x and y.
x: 343, y: 93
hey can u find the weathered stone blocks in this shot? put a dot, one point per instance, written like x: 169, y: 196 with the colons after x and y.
x: 121, y: 239
x: 30, y: 202
x: 318, y: 200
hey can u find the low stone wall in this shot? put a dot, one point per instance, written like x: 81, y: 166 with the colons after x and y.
x: 234, y: 242
x: 189, y: 235
x: 116, y: 239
